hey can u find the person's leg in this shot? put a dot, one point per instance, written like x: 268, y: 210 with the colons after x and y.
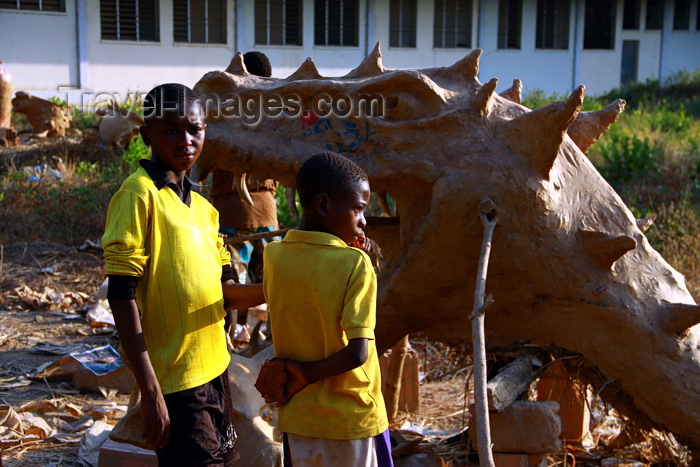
x: 201, y: 426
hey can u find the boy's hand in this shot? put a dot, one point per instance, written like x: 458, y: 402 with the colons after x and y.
x: 296, y: 377
x: 271, y: 382
x: 280, y: 379
x: 360, y: 243
x: 155, y: 421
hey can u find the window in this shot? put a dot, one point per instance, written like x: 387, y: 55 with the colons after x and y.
x: 599, y: 25
x: 36, y: 5
x: 552, y: 24
x: 681, y: 15
x: 655, y: 14
x: 336, y: 22
x: 278, y: 22
x: 630, y: 60
x: 510, y: 14
x: 697, y: 19
x: 452, y: 26
x: 402, y: 23
x: 129, y: 20
x: 201, y: 21
x: 630, y: 14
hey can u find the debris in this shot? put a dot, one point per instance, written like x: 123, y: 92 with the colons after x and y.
x: 100, y: 314
x: 114, y: 454
x: 129, y: 429
x: 50, y: 299
x: 90, y: 443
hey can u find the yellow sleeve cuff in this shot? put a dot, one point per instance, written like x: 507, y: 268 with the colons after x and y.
x: 359, y: 333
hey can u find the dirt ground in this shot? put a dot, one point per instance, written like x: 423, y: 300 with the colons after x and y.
x: 25, y: 333
x: 32, y: 337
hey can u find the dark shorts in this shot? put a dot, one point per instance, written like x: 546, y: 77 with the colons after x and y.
x: 201, y: 426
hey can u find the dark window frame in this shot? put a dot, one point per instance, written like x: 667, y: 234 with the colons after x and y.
x: 681, y: 15
x: 452, y: 24
x: 510, y: 24
x: 130, y: 20
x: 52, y: 6
x: 553, y: 24
x: 631, y: 15
x: 655, y: 15
x: 286, y: 28
x: 599, y: 25
x: 403, y: 22
x: 199, y: 21
x: 337, y: 25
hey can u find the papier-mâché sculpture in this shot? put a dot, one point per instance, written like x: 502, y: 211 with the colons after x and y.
x: 569, y: 268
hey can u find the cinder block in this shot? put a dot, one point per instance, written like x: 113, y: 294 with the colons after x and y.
x: 409, y: 397
x: 113, y: 454
x: 556, y: 385
x: 523, y: 427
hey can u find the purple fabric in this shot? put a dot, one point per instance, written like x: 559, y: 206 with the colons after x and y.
x: 382, y: 443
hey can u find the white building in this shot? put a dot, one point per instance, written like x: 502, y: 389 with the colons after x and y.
x: 72, y: 48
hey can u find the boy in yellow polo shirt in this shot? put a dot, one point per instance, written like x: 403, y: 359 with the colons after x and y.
x: 170, y: 279
x: 321, y: 295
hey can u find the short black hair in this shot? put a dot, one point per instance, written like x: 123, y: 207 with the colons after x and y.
x: 167, y: 97
x: 257, y: 63
x: 326, y: 172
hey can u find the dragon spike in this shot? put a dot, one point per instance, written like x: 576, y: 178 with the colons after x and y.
x: 370, y: 66
x: 644, y: 224
x: 483, y: 96
x: 605, y: 248
x: 307, y: 70
x: 468, y: 66
x: 589, y: 126
x: 237, y: 65
x: 538, y: 134
x: 679, y: 317
x: 514, y: 93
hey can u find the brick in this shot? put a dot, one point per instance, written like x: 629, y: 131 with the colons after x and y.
x: 523, y: 427
x: 556, y: 385
x: 113, y: 454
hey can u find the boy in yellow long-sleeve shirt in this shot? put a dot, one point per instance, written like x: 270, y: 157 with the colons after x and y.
x: 170, y: 280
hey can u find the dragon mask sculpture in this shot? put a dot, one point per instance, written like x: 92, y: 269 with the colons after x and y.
x: 570, y: 266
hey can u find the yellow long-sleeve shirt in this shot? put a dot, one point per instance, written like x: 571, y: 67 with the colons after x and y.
x: 177, y: 255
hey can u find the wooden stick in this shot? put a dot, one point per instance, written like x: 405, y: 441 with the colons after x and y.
x: 256, y: 236
x: 487, y: 213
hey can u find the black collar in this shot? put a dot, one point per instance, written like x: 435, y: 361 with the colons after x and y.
x: 160, y: 179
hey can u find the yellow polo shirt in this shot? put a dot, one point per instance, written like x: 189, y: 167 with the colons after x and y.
x: 176, y: 252
x: 321, y: 293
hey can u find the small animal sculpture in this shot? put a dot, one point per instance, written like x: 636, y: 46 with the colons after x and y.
x: 118, y: 127
x: 46, y: 118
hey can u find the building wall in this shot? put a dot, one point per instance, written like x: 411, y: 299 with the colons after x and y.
x: 680, y: 48
x: 39, y: 60
x: 41, y: 63
x: 130, y: 66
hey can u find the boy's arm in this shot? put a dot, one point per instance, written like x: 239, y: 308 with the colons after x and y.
x: 154, y: 413
x: 299, y: 374
x: 239, y: 296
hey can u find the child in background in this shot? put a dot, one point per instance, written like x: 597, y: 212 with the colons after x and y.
x: 170, y: 280
x: 321, y: 295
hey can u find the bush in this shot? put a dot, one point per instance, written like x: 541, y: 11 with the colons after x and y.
x: 628, y: 157
x: 136, y: 151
